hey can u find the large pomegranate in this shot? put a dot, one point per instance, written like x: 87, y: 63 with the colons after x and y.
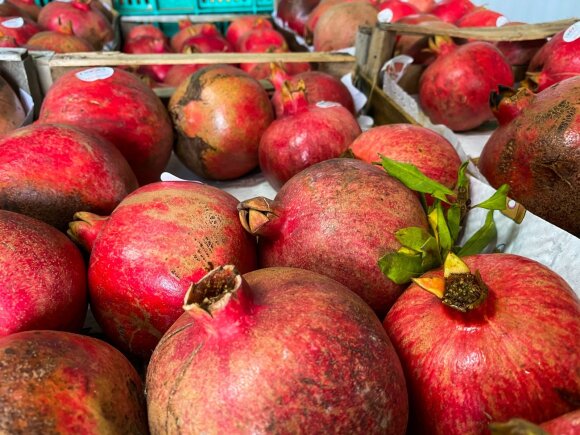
x: 19, y: 28
x: 337, y: 217
x: 279, y: 349
x: 482, y: 17
x: 153, y: 45
x: 148, y: 30
x: 239, y: 26
x: 59, y: 42
x: 121, y: 108
x: 263, y: 70
x: 536, y: 151
x: 294, y: 13
x: 42, y: 277
x: 220, y: 114
x: 452, y: 10
x: 157, y: 242
x: 454, y: 90
x: 87, y: 23
x: 179, y: 73
x: 303, y: 135
x: 188, y: 29
x: 58, y: 382
x: 51, y: 171
x: 261, y: 40
x: 513, y: 352
x: 430, y: 152
x: 12, y: 113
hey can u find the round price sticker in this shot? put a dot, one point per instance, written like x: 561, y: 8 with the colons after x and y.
x: 13, y: 23
x: 385, y: 16
x: 94, y: 74
x: 326, y: 104
x: 572, y: 33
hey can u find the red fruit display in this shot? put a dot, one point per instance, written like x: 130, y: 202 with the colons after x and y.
x: 452, y: 10
x: 398, y: 9
x: 157, y: 242
x: 59, y: 42
x: 220, y: 114
x: 12, y: 113
x: 317, y: 223
x: 286, y: 348
x: 536, y: 151
x: 87, y: 23
x: 142, y: 30
x: 51, y: 171
x: 454, y: 90
x: 567, y: 424
x: 206, y: 44
x: 261, y: 40
x: 58, y: 382
x: 187, y: 30
x: 507, y: 349
x: 29, y: 7
x: 19, y: 28
x: 303, y: 135
x: 128, y: 114
x: 294, y: 13
x: 42, y: 277
x: 179, y: 73
x: 430, y: 152
x: 240, y: 26
x: 482, y: 17
x: 148, y: 44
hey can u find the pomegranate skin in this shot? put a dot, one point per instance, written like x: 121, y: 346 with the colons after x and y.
x: 322, y: 362
x: 562, y: 61
x: 538, y: 154
x: 128, y: 114
x: 58, y: 382
x: 295, y: 13
x: 261, y: 40
x: 240, y: 26
x: 207, y: 44
x: 29, y: 7
x: 47, y: 173
x: 452, y: 10
x: 480, y: 17
x: 187, y: 30
x: 42, y: 277
x: 341, y: 232
x: 148, y: 44
x: 220, y: 114
x: 148, y: 30
x: 157, y: 242
x: 430, y: 152
x: 567, y: 424
x: 515, y: 355
x: 399, y: 9
x: 179, y: 73
x: 58, y: 42
x: 454, y: 90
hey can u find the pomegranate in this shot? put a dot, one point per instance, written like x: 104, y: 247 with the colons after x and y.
x: 277, y: 348
x: 19, y: 28
x: 142, y: 30
x: 294, y: 13
x: 220, y: 114
x: 261, y: 40
x: 239, y: 26
x: 263, y: 71
x: 157, y: 242
x: 42, y: 277
x: 452, y: 10
x: 418, y: 46
x: 206, y: 44
x: 337, y: 27
x: 315, y: 15
x: 423, y: 6
x: 482, y: 17
x: 128, y: 114
x: 567, y: 424
x: 12, y: 113
x: 147, y: 44
x: 179, y: 73
x: 305, y: 134
x: 319, y: 87
x: 519, y: 52
x: 59, y: 42
x: 536, y: 151
x: 501, y: 343
x: 337, y: 231
x: 430, y: 152
x: 8, y: 42
x: 454, y: 89
x: 537, y: 62
x: 51, y: 171
x: 187, y: 30
x: 29, y: 7
x: 87, y: 23
x: 404, y: 42
x: 398, y: 9
x: 58, y: 382
x: 7, y: 9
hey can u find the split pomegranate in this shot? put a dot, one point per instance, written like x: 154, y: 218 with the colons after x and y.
x: 398, y: 9
x: 239, y: 26
x: 147, y: 44
x: 19, y: 28
x: 206, y: 44
x: 59, y: 42
x: 536, y: 151
x: 261, y: 40
x: 148, y: 30
x: 482, y: 17
x: 179, y: 73
x: 501, y: 343
x: 12, y: 113
x: 58, y: 382
x: 120, y: 107
x: 87, y: 23
x: 294, y: 13
x: 187, y: 30
x: 454, y: 90
x: 157, y: 242
x: 51, y: 171
x: 337, y: 218
x: 42, y: 277
x: 322, y: 359
x: 430, y: 152
x: 220, y: 114
x: 452, y: 10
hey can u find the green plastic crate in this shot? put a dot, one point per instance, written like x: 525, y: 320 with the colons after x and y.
x: 192, y: 7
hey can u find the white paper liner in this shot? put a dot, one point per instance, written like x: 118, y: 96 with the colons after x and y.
x: 28, y: 104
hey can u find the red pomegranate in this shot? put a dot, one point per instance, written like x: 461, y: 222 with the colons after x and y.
x: 319, y: 87
x: 303, y: 135
x: 187, y: 30
x: 128, y: 114
x: 454, y: 90
x: 404, y: 42
x: 316, y: 13
x: 42, y: 277
x: 520, y: 52
x: 142, y: 30
x: 536, y: 151
x: 423, y: 6
x: 537, y: 62
x: 179, y: 73
x: 59, y: 42
x: 29, y: 7
x: 452, y: 10
x: 263, y: 71
x: 430, y: 152
x: 520, y: 322
x: 239, y: 26
x: 567, y: 424
x: 12, y: 113
x: 8, y: 42
x: 58, y: 382
x: 482, y: 17
x: 294, y: 13
x: 337, y: 27
x: 7, y: 9
x: 398, y: 9
x: 87, y: 23
x: 157, y: 242
x: 261, y: 40
x: 51, y: 171
x: 220, y: 114
x: 418, y: 46
x: 19, y: 28
x: 278, y: 347
x: 147, y: 44
x: 206, y: 44
x: 341, y: 215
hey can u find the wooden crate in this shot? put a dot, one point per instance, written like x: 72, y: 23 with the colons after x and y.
x: 17, y: 68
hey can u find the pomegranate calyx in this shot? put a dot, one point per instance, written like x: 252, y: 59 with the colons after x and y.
x: 213, y: 292
x: 516, y: 426
x: 441, y: 45
x: 255, y: 213
x: 294, y: 97
x: 507, y: 103
x: 85, y: 229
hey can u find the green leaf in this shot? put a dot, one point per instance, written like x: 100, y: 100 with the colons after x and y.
x: 453, y: 221
x: 498, y: 201
x: 462, y: 188
x: 479, y: 241
x: 445, y: 241
x: 431, y: 255
x: 415, y: 180
x: 400, y: 268
x: 412, y: 237
x: 462, y: 180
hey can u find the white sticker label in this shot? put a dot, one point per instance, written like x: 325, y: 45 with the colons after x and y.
x: 501, y: 21
x: 385, y: 16
x: 14, y: 23
x: 326, y: 104
x: 572, y: 33
x: 94, y: 74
